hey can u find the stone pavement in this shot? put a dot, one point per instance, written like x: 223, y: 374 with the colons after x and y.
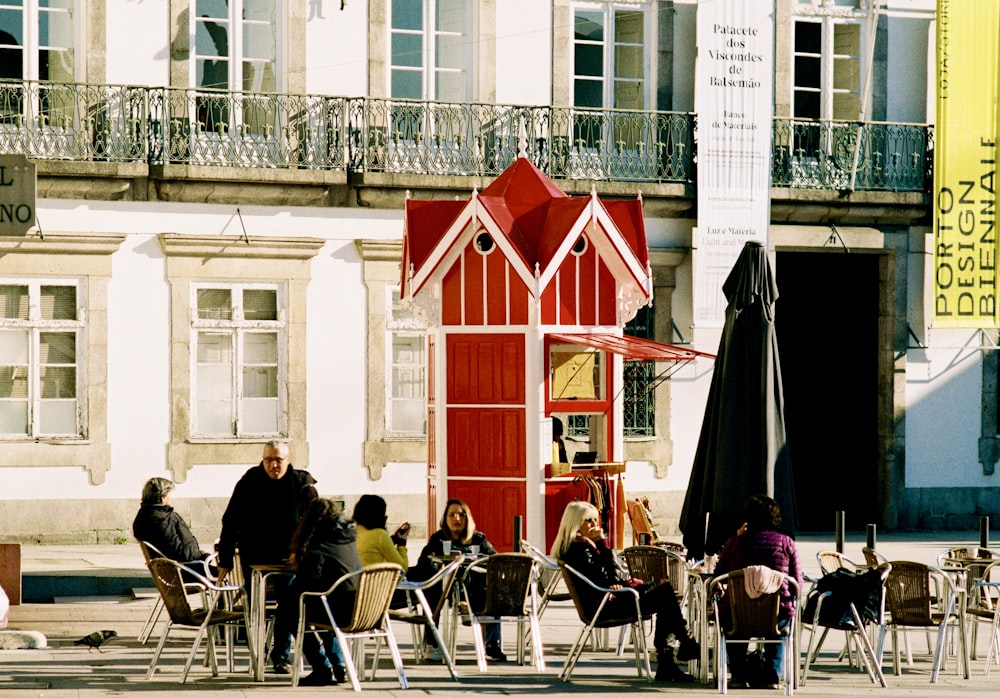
x: 64, y: 669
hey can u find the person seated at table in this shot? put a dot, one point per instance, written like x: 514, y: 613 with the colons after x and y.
x: 759, y: 541
x: 374, y: 542
x: 458, y: 528
x: 158, y: 524
x: 323, y: 549
x: 580, y: 543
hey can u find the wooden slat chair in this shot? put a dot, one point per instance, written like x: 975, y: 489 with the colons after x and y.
x: 174, y: 593
x: 369, y: 619
x: 419, y: 613
x: 753, y: 621
x: 922, y: 596
x: 591, y: 601
x: 510, y: 593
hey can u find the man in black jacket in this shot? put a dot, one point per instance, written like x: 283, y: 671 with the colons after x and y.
x: 261, y: 517
x: 159, y: 525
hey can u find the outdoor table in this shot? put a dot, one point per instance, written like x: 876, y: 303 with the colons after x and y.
x: 257, y: 632
x: 699, y: 604
x: 962, y: 571
x: 450, y: 631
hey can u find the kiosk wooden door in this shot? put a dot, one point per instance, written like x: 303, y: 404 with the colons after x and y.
x: 485, y: 423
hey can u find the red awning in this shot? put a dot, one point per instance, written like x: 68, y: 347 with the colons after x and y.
x: 632, y: 347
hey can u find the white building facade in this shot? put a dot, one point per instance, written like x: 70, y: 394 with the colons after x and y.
x: 215, y: 260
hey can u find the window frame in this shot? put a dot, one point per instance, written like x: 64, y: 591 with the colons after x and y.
x: 429, y: 67
x: 36, y: 325
x: 31, y: 46
x: 237, y: 52
x: 609, y: 78
x: 828, y: 58
x: 238, y: 327
x: 412, y: 328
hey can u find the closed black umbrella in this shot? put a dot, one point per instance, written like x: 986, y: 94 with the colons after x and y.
x: 741, y: 449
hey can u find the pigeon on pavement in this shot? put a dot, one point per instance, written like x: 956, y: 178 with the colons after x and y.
x: 96, y: 639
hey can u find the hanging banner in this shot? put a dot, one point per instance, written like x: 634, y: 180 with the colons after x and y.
x: 965, y: 157
x: 734, y: 87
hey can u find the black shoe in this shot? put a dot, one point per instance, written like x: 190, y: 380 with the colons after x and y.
x: 667, y: 671
x: 688, y: 650
x: 319, y: 677
x: 494, y: 652
x: 339, y: 673
x: 282, y: 668
x: 737, y: 683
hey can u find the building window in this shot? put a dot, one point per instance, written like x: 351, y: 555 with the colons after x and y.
x: 236, y: 44
x: 430, y: 49
x: 638, y: 381
x: 238, y: 334
x: 407, y: 341
x: 827, y: 68
x: 37, y: 40
x: 40, y: 332
x: 610, y: 59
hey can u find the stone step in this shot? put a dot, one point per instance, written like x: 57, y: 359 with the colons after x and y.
x: 44, y: 587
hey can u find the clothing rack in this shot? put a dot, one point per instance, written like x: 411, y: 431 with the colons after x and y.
x: 597, y: 483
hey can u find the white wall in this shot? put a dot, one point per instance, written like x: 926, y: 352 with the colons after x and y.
x: 524, y: 50
x: 138, y: 39
x: 337, y: 49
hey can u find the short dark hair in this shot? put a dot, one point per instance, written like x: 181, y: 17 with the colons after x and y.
x: 762, y: 513
x: 370, y: 511
x: 155, y: 489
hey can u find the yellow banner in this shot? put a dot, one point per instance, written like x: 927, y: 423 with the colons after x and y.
x: 965, y: 157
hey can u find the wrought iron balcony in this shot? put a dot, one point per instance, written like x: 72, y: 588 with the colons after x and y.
x: 119, y: 123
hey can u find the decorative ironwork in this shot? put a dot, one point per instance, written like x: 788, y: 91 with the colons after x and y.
x: 123, y: 123
x: 638, y: 397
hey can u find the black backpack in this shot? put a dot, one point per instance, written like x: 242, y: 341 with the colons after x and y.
x: 863, y: 588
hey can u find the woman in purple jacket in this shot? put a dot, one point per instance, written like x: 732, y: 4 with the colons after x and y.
x: 760, y: 542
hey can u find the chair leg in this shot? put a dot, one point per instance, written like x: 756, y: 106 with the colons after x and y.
x: 194, y: 650
x: 397, y: 659
x: 575, y: 651
x: 159, y: 650
x: 477, y: 638
x: 151, y: 620
x: 352, y: 671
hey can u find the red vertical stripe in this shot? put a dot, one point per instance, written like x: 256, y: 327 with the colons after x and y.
x: 608, y: 314
x: 568, y: 302
x: 451, y: 300
x: 549, y: 305
x: 518, y: 294
x: 588, y: 283
x: 496, y: 288
x: 474, y: 287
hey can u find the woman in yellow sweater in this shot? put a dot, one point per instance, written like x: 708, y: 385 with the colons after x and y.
x: 374, y: 542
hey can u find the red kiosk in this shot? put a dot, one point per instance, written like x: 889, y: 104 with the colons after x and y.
x: 525, y: 290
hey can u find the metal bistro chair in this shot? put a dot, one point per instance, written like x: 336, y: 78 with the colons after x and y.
x: 369, y: 618
x: 419, y: 612
x: 753, y: 621
x: 849, y: 601
x: 983, y: 606
x: 912, y: 600
x: 150, y: 552
x: 510, y: 593
x: 549, y: 577
x: 590, y: 601
x: 651, y: 563
x: 174, y: 593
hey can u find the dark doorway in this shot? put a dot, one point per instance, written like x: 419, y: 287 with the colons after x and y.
x: 826, y: 318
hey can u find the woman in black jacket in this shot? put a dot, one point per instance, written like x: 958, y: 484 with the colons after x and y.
x: 459, y: 529
x: 323, y: 550
x: 158, y: 524
x: 580, y: 543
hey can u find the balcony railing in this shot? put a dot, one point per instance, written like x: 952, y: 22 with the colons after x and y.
x: 118, y: 123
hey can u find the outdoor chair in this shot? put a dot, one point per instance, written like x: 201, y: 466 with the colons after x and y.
x: 922, y: 596
x: 149, y: 552
x: 419, y: 613
x: 549, y: 578
x: 849, y: 601
x: 982, y: 606
x: 830, y: 560
x: 590, y: 601
x: 510, y: 593
x: 873, y: 558
x: 651, y: 563
x: 369, y: 618
x: 167, y: 575
x: 753, y: 620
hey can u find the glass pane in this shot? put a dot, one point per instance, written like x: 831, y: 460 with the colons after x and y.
x: 407, y: 84
x: 847, y: 75
x: 14, y: 302
x: 628, y: 95
x: 12, y: 25
x: 628, y: 62
x: 408, y: 14
x: 218, y: 9
x: 846, y: 106
x: 58, y: 302
x: 57, y: 417
x: 260, y: 10
x: 628, y: 27
x: 589, y: 26
x: 407, y: 349
x: 214, y: 75
x: 57, y: 347
x: 14, y: 382
x: 807, y: 72
x: 257, y: 77
x: 450, y: 87
x: 408, y: 416
x: 808, y: 37
x: 211, y: 38
x: 259, y: 417
x: 58, y: 382
x: 14, y: 347
x: 408, y: 381
x: 806, y: 105
x: 215, y: 383
x: 214, y: 417
x: 260, y: 348
x: 13, y: 417
x: 260, y: 305
x: 589, y: 60
x: 588, y: 94
x: 847, y: 40
x: 260, y: 381
x: 451, y: 52
x: 215, y: 348
x: 259, y: 41
x: 407, y: 50
x: 452, y: 16
x: 215, y: 304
